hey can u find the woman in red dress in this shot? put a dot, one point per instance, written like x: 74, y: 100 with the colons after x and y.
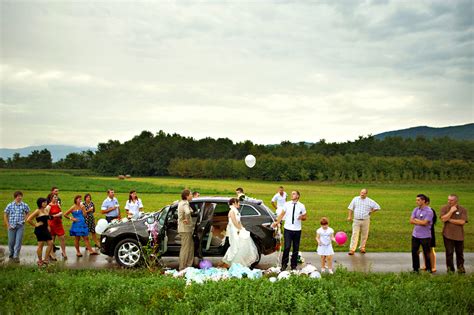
x: 56, y: 223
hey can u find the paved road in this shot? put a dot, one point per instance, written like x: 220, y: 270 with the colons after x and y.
x: 370, y: 262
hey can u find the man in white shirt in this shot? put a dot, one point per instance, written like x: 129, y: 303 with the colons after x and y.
x: 279, y: 200
x: 362, y: 207
x: 293, y: 213
x: 110, y: 206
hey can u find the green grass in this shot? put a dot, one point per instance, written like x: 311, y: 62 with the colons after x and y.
x: 390, y: 228
x: 53, y: 290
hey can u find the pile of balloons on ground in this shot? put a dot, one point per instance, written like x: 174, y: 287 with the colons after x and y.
x: 206, y: 272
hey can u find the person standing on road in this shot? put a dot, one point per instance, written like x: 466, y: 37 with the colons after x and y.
x: 14, y: 220
x: 41, y: 230
x: 90, y: 221
x: 56, y: 224
x: 185, y: 230
x: 279, y: 200
x: 293, y: 213
x: 362, y: 208
x: 110, y: 206
x: 422, y: 218
x: 454, y: 217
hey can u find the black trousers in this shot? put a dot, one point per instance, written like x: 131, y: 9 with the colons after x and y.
x: 109, y: 219
x: 451, y: 246
x: 291, y: 238
x: 415, y: 258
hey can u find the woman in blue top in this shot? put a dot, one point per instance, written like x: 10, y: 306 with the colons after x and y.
x: 79, y: 227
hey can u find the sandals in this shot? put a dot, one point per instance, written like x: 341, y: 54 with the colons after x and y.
x: 93, y: 253
x: 64, y: 256
x: 78, y: 254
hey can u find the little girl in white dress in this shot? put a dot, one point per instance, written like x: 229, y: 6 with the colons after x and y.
x: 324, y: 237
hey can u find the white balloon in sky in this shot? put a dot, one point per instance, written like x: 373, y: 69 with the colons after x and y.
x: 250, y: 160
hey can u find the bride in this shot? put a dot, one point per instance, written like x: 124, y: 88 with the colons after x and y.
x: 242, y: 249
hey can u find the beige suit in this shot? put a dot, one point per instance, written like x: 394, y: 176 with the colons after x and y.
x: 185, y: 230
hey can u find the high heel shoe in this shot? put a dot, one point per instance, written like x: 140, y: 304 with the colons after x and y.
x: 53, y: 258
x: 40, y: 263
x: 64, y: 256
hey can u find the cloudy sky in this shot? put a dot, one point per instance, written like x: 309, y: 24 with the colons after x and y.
x: 84, y: 72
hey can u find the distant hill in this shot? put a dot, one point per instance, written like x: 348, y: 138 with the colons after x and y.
x: 462, y: 132
x: 57, y: 151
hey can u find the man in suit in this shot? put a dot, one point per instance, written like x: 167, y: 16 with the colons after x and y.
x: 185, y: 230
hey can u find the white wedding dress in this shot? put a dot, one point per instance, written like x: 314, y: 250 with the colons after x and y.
x: 242, y: 249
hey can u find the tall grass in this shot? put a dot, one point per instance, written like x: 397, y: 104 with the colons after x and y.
x: 29, y: 290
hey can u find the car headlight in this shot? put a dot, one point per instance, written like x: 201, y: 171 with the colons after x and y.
x: 111, y: 230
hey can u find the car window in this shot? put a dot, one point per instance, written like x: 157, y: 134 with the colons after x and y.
x: 246, y: 210
x: 221, y: 209
x: 163, y: 214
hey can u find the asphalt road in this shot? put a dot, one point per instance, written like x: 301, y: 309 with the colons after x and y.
x: 369, y: 262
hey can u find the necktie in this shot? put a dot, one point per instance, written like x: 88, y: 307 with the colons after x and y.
x: 293, y: 218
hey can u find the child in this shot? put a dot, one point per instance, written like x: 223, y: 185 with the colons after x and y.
x: 324, y: 236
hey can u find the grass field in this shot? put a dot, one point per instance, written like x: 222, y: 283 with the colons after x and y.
x: 26, y: 290
x: 390, y: 230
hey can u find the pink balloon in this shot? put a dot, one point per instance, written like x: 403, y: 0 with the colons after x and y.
x: 341, y: 238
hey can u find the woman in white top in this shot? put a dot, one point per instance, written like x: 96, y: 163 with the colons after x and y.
x: 242, y: 249
x: 325, y: 237
x: 134, y: 205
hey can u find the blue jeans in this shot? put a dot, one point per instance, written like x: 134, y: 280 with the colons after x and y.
x: 15, y: 237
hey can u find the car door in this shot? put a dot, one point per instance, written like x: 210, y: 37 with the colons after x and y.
x: 213, y: 236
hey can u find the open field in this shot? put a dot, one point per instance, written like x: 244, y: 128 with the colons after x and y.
x: 390, y: 230
x: 140, y: 291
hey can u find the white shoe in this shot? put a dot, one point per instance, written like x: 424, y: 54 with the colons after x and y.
x: 330, y: 272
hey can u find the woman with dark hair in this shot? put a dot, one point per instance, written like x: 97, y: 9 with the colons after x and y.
x: 56, y: 224
x: 41, y: 230
x: 90, y: 221
x: 242, y: 249
x: 79, y: 227
x: 134, y: 205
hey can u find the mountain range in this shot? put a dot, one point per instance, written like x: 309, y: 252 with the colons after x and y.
x: 461, y: 132
x: 57, y: 151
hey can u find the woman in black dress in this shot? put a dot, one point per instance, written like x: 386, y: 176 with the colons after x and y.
x: 42, y: 230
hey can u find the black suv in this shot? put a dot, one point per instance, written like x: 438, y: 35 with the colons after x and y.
x: 210, y: 217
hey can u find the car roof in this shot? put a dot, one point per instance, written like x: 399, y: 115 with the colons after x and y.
x: 218, y: 199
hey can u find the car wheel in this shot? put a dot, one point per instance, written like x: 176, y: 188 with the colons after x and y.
x: 128, y: 253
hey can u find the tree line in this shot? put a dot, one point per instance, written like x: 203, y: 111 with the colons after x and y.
x: 163, y: 154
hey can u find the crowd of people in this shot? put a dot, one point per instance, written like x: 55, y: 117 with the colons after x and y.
x: 47, y: 220
x: 48, y: 226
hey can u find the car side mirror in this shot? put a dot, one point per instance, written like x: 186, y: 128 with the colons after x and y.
x: 150, y: 220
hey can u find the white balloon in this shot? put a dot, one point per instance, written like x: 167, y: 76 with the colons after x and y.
x: 272, y: 279
x: 101, y: 226
x: 315, y: 275
x: 250, y: 160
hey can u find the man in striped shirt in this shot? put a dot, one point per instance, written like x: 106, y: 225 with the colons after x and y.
x: 361, y: 207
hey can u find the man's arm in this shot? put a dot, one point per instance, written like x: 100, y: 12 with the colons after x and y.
x: 279, y: 218
x: 349, y: 215
x: 419, y: 222
x: 457, y: 222
x: 5, y: 220
x: 274, y: 205
x: 448, y: 215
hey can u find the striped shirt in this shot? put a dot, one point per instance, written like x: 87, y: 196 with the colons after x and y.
x: 362, y: 207
x: 16, y: 213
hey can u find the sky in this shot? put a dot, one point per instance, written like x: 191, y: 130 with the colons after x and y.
x: 80, y: 73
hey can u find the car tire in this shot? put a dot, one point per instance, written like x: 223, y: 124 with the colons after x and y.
x: 128, y: 253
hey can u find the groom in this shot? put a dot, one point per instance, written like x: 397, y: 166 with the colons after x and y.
x: 293, y: 213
